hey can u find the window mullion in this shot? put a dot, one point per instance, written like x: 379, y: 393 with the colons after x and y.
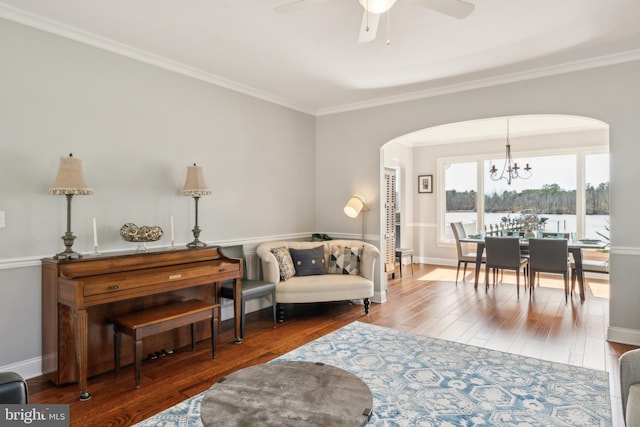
x: 480, y: 196
x: 581, y: 208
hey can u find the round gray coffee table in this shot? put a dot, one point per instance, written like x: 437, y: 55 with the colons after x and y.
x: 289, y: 393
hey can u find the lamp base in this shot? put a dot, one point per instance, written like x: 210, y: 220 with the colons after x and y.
x: 68, y: 253
x: 196, y: 244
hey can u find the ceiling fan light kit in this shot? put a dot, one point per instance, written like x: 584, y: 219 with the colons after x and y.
x: 374, y: 8
x: 377, y: 6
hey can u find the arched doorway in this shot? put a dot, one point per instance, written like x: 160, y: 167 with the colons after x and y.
x: 423, y: 216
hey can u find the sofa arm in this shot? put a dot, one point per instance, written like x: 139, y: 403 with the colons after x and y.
x: 368, y: 261
x: 270, y: 268
x: 629, y: 374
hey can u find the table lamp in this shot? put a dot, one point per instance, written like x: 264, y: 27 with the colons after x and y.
x: 195, y: 187
x: 69, y: 182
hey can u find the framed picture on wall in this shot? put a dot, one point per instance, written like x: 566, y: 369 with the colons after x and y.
x: 425, y: 183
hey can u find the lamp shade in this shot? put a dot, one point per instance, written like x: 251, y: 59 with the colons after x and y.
x: 194, y: 185
x: 355, y: 205
x: 70, y: 179
x: 377, y: 6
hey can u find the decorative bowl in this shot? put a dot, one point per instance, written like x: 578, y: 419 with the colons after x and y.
x: 132, y: 233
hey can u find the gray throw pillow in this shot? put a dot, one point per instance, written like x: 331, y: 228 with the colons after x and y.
x: 309, y: 262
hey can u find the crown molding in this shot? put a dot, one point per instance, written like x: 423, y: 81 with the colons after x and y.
x: 54, y: 27
x: 568, y: 67
x: 72, y: 33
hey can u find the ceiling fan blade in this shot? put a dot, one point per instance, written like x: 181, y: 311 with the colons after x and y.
x: 297, y: 4
x: 455, y: 8
x: 368, y: 27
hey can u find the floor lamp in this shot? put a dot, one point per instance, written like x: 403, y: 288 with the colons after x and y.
x: 69, y: 182
x: 357, y: 205
x: 195, y: 187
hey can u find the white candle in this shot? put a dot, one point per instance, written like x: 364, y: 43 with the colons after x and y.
x: 95, y: 233
x: 171, y: 228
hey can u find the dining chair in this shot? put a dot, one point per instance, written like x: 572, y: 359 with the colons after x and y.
x: 465, y: 254
x: 503, y: 253
x: 549, y: 256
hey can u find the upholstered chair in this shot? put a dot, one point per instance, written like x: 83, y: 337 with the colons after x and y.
x: 13, y: 389
x: 503, y: 253
x: 549, y: 256
x: 630, y: 387
x: 465, y: 254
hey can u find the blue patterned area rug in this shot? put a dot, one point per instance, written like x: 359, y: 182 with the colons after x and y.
x: 427, y: 382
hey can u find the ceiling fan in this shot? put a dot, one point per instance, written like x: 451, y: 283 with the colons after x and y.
x: 374, y: 8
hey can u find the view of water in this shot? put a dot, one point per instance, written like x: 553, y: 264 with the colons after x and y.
x: 555, y: 223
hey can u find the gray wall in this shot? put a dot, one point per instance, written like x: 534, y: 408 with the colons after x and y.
x: 136, y: 128
x: 274, y: 172
x: 610, y: 94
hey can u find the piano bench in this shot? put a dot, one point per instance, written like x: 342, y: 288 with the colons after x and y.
x: 141, y: 324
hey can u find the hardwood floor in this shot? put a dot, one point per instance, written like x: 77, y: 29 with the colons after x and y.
x: 427, y: 302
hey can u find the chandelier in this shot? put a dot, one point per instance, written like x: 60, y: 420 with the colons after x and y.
x: 510, y: 170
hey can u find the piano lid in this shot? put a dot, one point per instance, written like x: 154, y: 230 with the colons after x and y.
x: 127, y: 260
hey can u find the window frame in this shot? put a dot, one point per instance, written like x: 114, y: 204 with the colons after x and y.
x: 482, y: 175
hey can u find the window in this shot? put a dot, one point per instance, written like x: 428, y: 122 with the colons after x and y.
x: 461, y: 190
x: 480, y: 203
x: 596, y: 168
x: 551, y: 192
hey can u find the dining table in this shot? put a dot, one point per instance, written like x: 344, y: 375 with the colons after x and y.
x: 575, y: 249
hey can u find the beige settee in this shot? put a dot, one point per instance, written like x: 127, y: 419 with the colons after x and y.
x: 323, y: 287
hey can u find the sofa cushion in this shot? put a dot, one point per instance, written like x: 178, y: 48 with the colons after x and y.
x: 344, y: 259
x: 309, y: 262
x: 285, y: 263
x: 321, y: 288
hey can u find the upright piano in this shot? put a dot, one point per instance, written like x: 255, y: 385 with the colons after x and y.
x: 81, y: 297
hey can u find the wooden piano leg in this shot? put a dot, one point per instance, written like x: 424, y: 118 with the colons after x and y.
x: 82, y: 346
x: 138, y: 356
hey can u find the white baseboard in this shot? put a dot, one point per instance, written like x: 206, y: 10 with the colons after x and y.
x: 26, y: 368
x: 379, y: 297
x: 623, y: 335
x: 436, y: 261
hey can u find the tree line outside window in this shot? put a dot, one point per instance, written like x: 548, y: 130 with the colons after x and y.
x: 545, y: 194
x: 551, y: 199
